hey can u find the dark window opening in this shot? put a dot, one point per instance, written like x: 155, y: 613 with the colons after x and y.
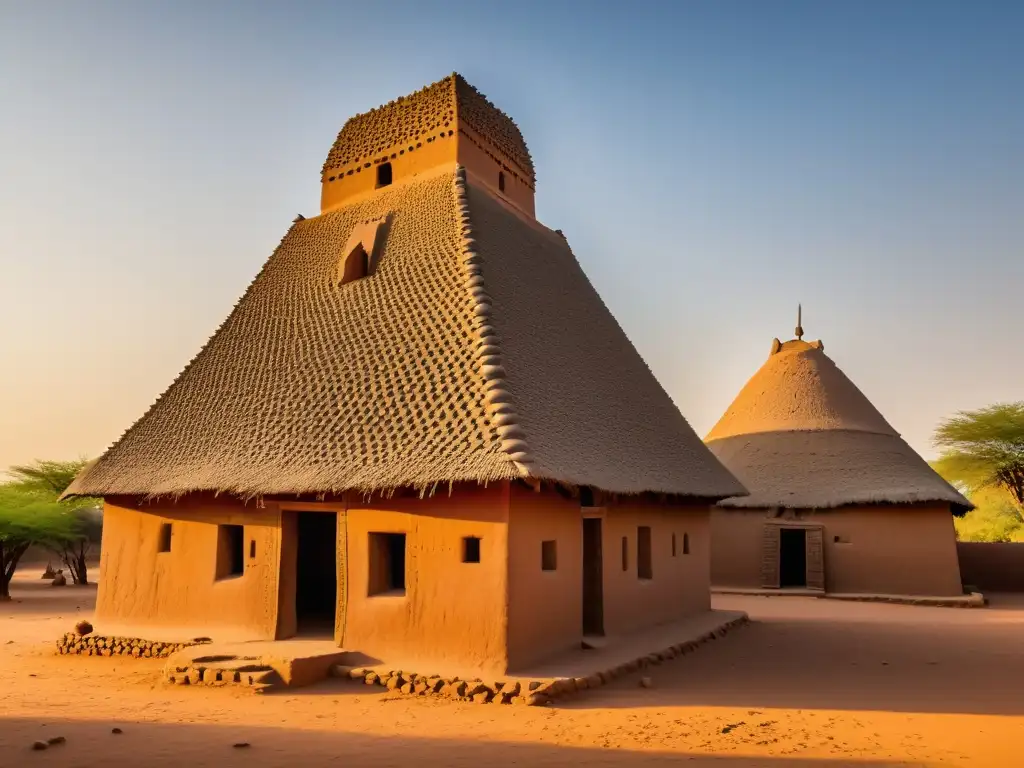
x: 230, y: 551
x: 644, y: 567
x: 625, y: 553
x: 548, y: 555
x: 357, y: 265
x: 384, y: 176
x: 387, y: 563
x: 471, y: 549
x: 686, y: 543
x: 501, y: 181
x: 252, y: 549
x: 164, y: 544
x: 586, y: 497
x: 673, y: 545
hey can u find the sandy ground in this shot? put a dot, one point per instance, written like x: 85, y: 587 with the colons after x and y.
x: 809, y: 683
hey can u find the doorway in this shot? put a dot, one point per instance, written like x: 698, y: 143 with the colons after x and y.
x: 316, y: 573
x: 793, y: 557
x: 593, y: 578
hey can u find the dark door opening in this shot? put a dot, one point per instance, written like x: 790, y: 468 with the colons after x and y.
x: 793, y: 557
x: 593, y: 578
x: 316, y: 582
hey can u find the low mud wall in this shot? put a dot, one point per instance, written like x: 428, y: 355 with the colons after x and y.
x: 992, y: 567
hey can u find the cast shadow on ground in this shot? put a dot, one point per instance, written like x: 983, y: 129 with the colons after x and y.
x: 91, y: 743
x: 963, y: 664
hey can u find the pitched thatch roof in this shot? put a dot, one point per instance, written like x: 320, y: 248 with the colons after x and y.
x: 476, y: 350
x: 800, y: 434
x: 440, y: 106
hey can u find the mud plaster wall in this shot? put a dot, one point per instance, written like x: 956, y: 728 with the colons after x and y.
x: 453, y: 615
x: 992, y: 566
x: 545, y: 608
x: 892, y: 550
x: 680, y: 585
x: 178, y: 589
x: 484, y: 163
x: 342, y: 186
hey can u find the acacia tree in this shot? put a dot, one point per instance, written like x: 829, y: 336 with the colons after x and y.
x: 46, y: 481
x: 984, y: 449
x: 27, y: 518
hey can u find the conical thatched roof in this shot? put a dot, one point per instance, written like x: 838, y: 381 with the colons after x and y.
x: 476, y: 350
x: 800, y: 434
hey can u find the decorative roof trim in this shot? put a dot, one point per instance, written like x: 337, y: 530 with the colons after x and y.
x: 500, y: 404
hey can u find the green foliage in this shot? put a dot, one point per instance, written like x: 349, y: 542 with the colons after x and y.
x: 995, y: 518
x: 32, y: 517
x: 984, y: 449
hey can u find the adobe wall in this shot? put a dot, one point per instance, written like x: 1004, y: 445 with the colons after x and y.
x: 680, y: 585
x: 178, y: 590
x: 453, y: 615
x: 992, y: 566
x: 546, y: 607
x: 891, y: 550
x: 344, y: 186
x: 484, y: 165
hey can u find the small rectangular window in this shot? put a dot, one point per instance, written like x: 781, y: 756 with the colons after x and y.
x: 548, y: 555
x: 230, y: 551
x: 387, y: 564
x: 673, y: 545
x: 383, y: 175
x: 252, y: 549
x: 164, y: 542
x: 625, y: 553
x: 644, y: 568
x: 686, y: 543
x: 471, y: 549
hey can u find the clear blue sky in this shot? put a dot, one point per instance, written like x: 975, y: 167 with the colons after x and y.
x: 711, y: 163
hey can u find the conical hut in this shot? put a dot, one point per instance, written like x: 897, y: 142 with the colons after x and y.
x: 837, y: 499
x: 420, y: 425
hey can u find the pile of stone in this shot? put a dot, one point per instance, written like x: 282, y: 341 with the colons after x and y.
x: 528, y: 692
x: 75, y: 644
x: 249, y: 673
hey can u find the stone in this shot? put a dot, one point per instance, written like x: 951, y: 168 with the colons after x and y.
x: 371, y: 678
x: 435, y: 685
x: 38, y: 746
x: 407, y: 688
x: 54, y: 740
x: 455, y: 690
x: 58, y: 581
x: 534, y: 685
x: 483, y: 697
x: 241, y: 745
x: 211, y: 675
x: 511, y: 689
x: 83, y: 628
x: 356, y: 673
x: 420, y: 687
x: 536, y: 700
x: 646, y: 682
x: 116, y: 731
x: 194, y: 676
x: 473, y: 689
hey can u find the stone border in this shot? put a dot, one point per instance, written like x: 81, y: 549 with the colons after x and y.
x: 251, y: 675
x: 73, y: 644
x: 528, y: 692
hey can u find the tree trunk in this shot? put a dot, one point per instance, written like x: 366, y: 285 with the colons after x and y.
x: 9, y: 557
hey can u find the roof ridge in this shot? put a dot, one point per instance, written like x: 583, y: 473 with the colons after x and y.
x: 500, y: 404
x: 830, y: 430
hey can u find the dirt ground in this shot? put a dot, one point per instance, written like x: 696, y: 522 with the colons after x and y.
x: 809, y: 683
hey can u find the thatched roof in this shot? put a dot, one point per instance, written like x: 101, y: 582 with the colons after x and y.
x: 476, y: 350
x: 801, y: 435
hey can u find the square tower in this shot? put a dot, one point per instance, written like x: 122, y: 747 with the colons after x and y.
x: 445, y: 123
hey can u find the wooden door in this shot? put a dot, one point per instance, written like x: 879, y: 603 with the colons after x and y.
x: 815, y: 558
x: 770, y: 557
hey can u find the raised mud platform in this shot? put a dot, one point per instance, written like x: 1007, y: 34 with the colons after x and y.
x: 590, y: 667
x: 973, y: 600
x: 263, y: 666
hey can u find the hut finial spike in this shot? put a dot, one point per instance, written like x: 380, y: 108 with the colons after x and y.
x: 799, y: 319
